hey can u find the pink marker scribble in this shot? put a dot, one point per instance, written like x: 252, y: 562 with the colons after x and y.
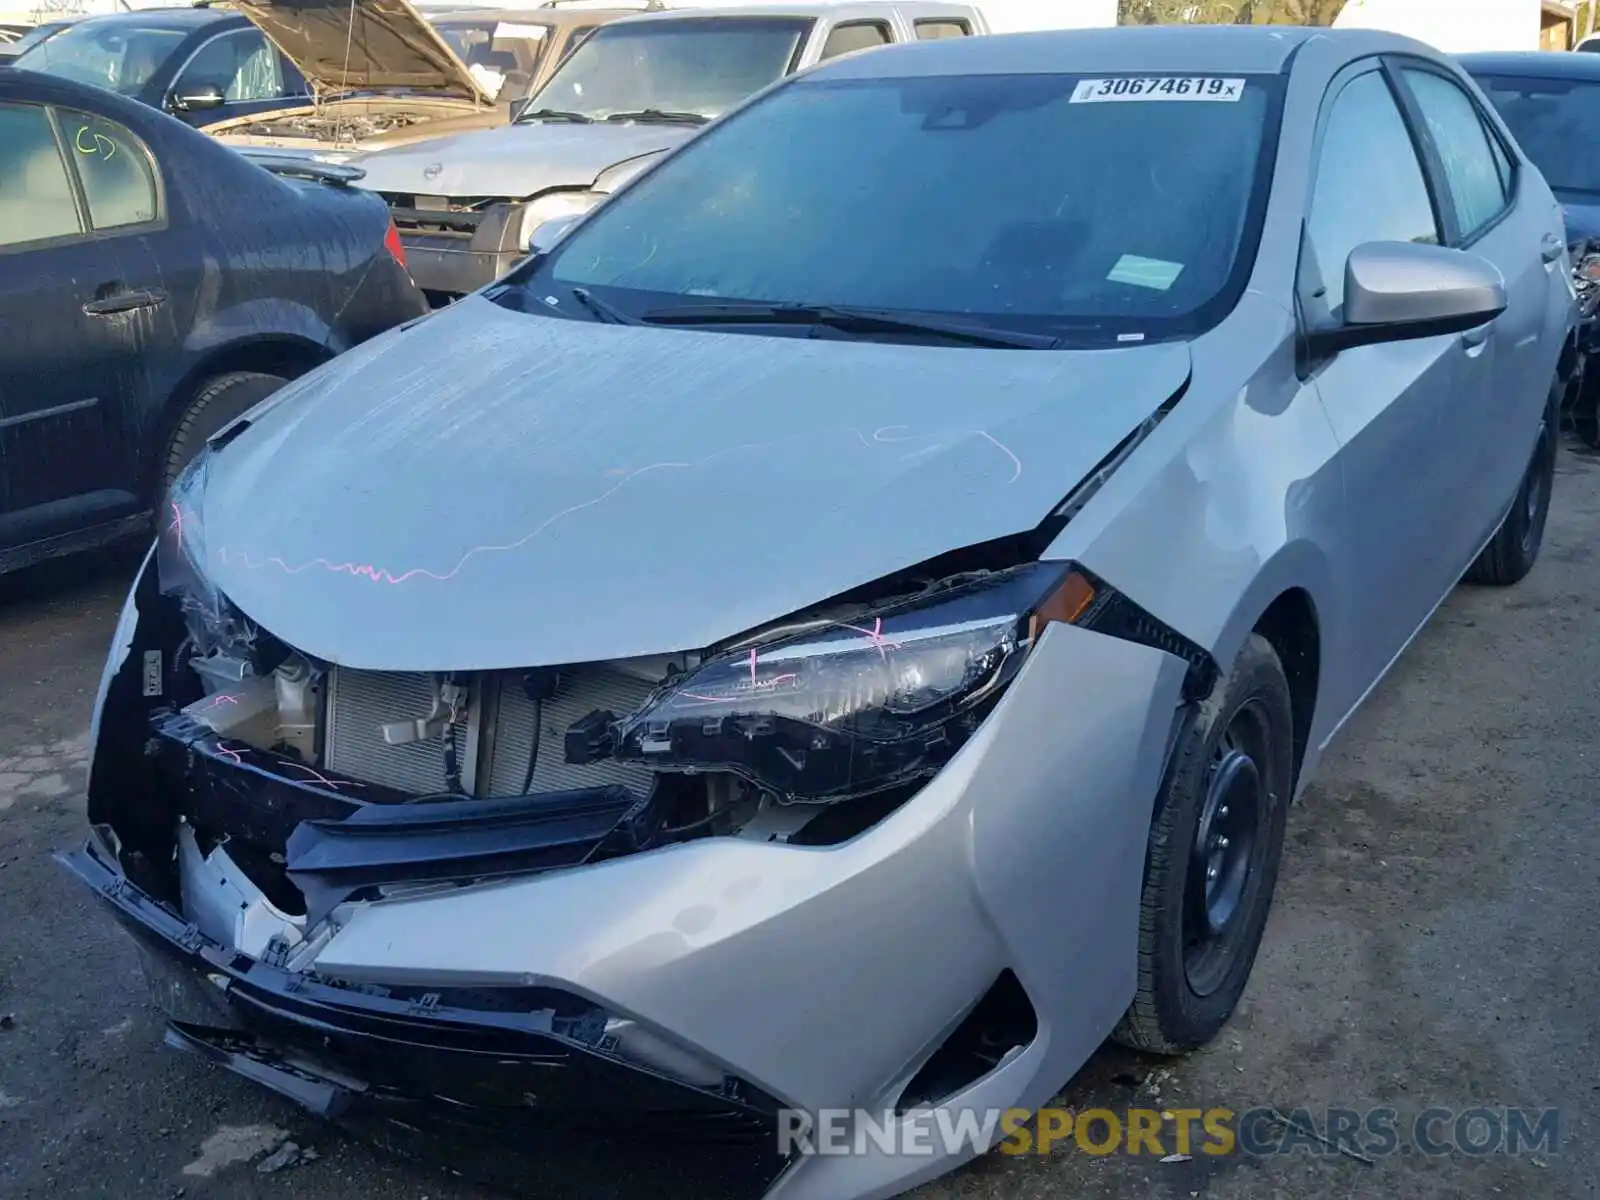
x: 882, y: 644
x: 220, y: 699
x: 315, y: 776
x: 176, y: 527
x: 230, y: 754
x: 376, y: 573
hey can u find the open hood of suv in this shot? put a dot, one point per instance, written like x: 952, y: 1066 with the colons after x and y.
x: 363, y: 45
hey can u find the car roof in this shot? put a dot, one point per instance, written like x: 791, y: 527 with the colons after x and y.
x: 16, y: 83
x: 1535, y: 64
x: 166, y: 18
x: 1142, y: 49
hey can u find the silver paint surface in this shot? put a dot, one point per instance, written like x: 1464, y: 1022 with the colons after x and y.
x: 494, y: 489
x: 515, y: 160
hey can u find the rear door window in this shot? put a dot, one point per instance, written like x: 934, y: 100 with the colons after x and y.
x: 116, y: 171
x: 36, y: 201
x: 933, y: 30
x: 1472, y: 174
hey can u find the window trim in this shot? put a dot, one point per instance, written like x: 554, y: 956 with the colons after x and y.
x: 85, y: 233
x: 960, y: 23
x: 1396, y: 66
x: 81, y: 193
x: 171, y: 90
x: 878, y: 23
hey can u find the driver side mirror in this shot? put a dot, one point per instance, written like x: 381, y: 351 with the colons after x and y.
x: 1397, y: 291
x: 518, y: 107
x: 198, y: 97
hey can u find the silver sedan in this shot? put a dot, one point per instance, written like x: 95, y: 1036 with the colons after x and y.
x: 837, y: 633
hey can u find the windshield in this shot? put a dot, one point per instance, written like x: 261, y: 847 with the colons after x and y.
x: 503, y: 56
x: 119, y: 56
x: 33, y: 37
x: 701, y: 65
x: 1553, y: 121
x: 1027, y: 202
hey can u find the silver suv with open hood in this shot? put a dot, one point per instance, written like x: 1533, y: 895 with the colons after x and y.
x: 384, y: 74
x: 468, y: 206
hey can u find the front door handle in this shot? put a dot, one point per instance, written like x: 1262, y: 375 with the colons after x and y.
x: 1551, y: 248
x: 125, y: 301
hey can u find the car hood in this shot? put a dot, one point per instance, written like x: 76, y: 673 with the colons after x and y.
x: 357, y: 45
x: 489, y: 489
x: 516, y: 160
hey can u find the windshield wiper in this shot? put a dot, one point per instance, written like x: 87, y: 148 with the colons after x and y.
x: 602, y: 309
x: 659, y: 114
x: 846, y: 320
x: 555, y: 114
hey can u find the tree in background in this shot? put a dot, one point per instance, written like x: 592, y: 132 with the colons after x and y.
x: 1234, y: 12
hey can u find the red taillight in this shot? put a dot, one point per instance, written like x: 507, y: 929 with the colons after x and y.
x: 391, y: 243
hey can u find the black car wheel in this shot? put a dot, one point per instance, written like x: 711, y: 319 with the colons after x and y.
x: 1514, y: 549
x: 218, y: 401
x: 1212, y: 862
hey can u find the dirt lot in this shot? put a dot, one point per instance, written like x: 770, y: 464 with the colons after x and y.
x: 1433, y: 943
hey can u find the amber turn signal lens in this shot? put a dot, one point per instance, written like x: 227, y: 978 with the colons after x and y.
x: 1066, y: 604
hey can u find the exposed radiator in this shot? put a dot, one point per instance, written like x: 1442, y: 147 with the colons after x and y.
x: 360, y: 703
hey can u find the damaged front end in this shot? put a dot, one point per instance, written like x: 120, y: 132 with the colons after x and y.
x: 256, y: 809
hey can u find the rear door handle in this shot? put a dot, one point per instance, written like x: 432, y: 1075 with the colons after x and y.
x: 1551, y: 248
x: 127, y: 301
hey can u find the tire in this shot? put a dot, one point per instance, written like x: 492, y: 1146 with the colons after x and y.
x: 1192, y: 974
x: 1513, y: 550
x: 218, y: 401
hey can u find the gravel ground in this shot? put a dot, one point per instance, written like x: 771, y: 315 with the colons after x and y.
x: 1432, y: 945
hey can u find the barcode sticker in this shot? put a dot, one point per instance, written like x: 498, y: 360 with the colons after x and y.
x: 1166, y: 87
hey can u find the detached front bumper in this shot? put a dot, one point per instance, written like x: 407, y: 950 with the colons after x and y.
x: 438, y: 1069
x: 801, y: 977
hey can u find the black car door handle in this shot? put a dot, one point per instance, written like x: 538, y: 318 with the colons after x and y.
x: 1551, y: 247
x: 121, y: 302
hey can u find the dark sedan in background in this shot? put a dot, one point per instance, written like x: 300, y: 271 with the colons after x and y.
x: 202, y: 64
x: 16, y: 39
x: 1551, y: 102
x: 153, y: 286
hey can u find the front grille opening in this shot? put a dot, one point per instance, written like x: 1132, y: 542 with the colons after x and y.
x: 437, y: 214
x: 1002, y: 1022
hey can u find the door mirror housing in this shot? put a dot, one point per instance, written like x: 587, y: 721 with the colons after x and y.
x: 198, y: 97
x: 1397, y: 291
x: 518, y: 107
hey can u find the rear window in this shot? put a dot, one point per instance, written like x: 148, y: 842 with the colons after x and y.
x: 1554, y: 121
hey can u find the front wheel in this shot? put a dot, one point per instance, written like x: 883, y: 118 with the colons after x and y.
x: 1514, y: 549
x: 1216, y: 839
x: 216, y: 403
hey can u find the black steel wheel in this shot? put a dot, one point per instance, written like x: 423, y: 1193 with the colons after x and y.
x: 1211, y: 867
x: 1513, y: 550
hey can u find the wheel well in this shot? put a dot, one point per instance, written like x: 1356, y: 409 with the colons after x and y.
x: 1290, y: 624
x: 288, y: 357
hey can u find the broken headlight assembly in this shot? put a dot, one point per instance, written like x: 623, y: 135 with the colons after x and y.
x: 855, y: 703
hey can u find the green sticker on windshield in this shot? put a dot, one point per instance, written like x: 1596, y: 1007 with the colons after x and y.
x: 1150, y: 273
